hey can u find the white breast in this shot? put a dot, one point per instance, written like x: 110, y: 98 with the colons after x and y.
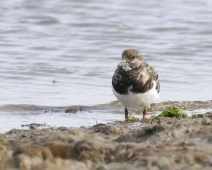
x: 137, y: 100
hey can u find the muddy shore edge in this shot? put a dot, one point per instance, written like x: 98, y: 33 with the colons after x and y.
x: 165, y: 143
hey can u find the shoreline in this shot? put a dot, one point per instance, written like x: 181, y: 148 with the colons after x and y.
x: 165, y: 143
x: 80, y: 115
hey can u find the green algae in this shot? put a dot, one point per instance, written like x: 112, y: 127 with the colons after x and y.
x: 174, y: 112
x: 132, y: 118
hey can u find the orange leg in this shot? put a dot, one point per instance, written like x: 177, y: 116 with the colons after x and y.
x: 144, y: 113
x: 126, y: 114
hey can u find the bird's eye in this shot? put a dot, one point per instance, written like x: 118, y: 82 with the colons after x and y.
x: 133, y: 57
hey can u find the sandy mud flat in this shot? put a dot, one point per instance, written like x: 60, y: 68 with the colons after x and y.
x: 165, y: 143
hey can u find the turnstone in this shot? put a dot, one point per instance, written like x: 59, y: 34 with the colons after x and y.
x: 135, y: 84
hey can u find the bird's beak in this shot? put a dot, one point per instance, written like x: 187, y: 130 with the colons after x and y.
x: 122, y: 63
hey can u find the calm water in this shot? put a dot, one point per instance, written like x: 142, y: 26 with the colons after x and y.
x: 78, y: 44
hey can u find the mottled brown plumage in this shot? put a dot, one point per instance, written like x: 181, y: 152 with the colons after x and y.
x: 134, y: 76
x: 140, y: 78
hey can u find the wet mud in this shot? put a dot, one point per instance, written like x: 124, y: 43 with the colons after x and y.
x: 163, y: 143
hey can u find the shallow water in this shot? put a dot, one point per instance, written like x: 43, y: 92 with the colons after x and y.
x: 77, y: 45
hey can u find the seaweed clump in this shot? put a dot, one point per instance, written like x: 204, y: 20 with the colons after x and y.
x: 132, y: 118
x: 174, y: 112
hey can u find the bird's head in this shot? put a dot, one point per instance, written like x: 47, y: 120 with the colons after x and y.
x: 131, y: 59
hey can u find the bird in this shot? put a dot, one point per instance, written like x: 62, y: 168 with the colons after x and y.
x: 135, y: 83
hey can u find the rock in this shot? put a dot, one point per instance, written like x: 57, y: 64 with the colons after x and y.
x: 206, y: 121
x: 6, y: 161
x: 110, y: 130
x: 59, y: 149
x: 75, y: 109
x: 197, y: 116
x: 209, y: 114
x: 29, y: 155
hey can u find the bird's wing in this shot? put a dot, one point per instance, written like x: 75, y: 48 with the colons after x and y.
x: 154, y: 76
x: 143, y: 79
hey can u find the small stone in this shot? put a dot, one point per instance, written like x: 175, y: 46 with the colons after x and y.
x: 196, y: 122
x: 210, y: 140
x: 29, y: 154
x: 62, y: 128
x: 111, y: 130
x: 59, y: 149
x: 206, y: 121
x: 210, y: 161
x: 209, y: 114
x: 194, y: 116
x: 164, y: 163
